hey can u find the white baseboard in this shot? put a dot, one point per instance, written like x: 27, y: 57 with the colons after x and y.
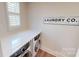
x: 55, y: 53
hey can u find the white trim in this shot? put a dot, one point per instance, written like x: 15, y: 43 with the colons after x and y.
x: 55, y: 53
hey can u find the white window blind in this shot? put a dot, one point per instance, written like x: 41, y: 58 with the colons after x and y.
x: 13, y: 13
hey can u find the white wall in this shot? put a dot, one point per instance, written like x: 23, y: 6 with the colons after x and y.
x: 58, y: 38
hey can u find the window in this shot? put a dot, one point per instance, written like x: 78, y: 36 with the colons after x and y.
x: 13, y: 9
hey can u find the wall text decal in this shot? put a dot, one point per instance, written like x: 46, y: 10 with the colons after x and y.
x: 64, y: 20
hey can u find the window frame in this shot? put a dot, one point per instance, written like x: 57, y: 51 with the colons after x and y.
x: 11, y: 28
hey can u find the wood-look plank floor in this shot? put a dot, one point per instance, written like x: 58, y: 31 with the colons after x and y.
x: 42, y: 53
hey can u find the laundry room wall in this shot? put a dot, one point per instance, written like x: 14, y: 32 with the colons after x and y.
x: 61, y: 40
x: 4, y: 27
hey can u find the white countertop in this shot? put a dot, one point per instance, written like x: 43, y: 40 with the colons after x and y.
x: 11, y: 44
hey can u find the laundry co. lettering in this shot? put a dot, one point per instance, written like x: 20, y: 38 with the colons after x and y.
x: 70, y: 20
x: 61, y: 20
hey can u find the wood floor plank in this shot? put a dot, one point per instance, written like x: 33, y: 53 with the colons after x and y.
x: 42, y: 53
